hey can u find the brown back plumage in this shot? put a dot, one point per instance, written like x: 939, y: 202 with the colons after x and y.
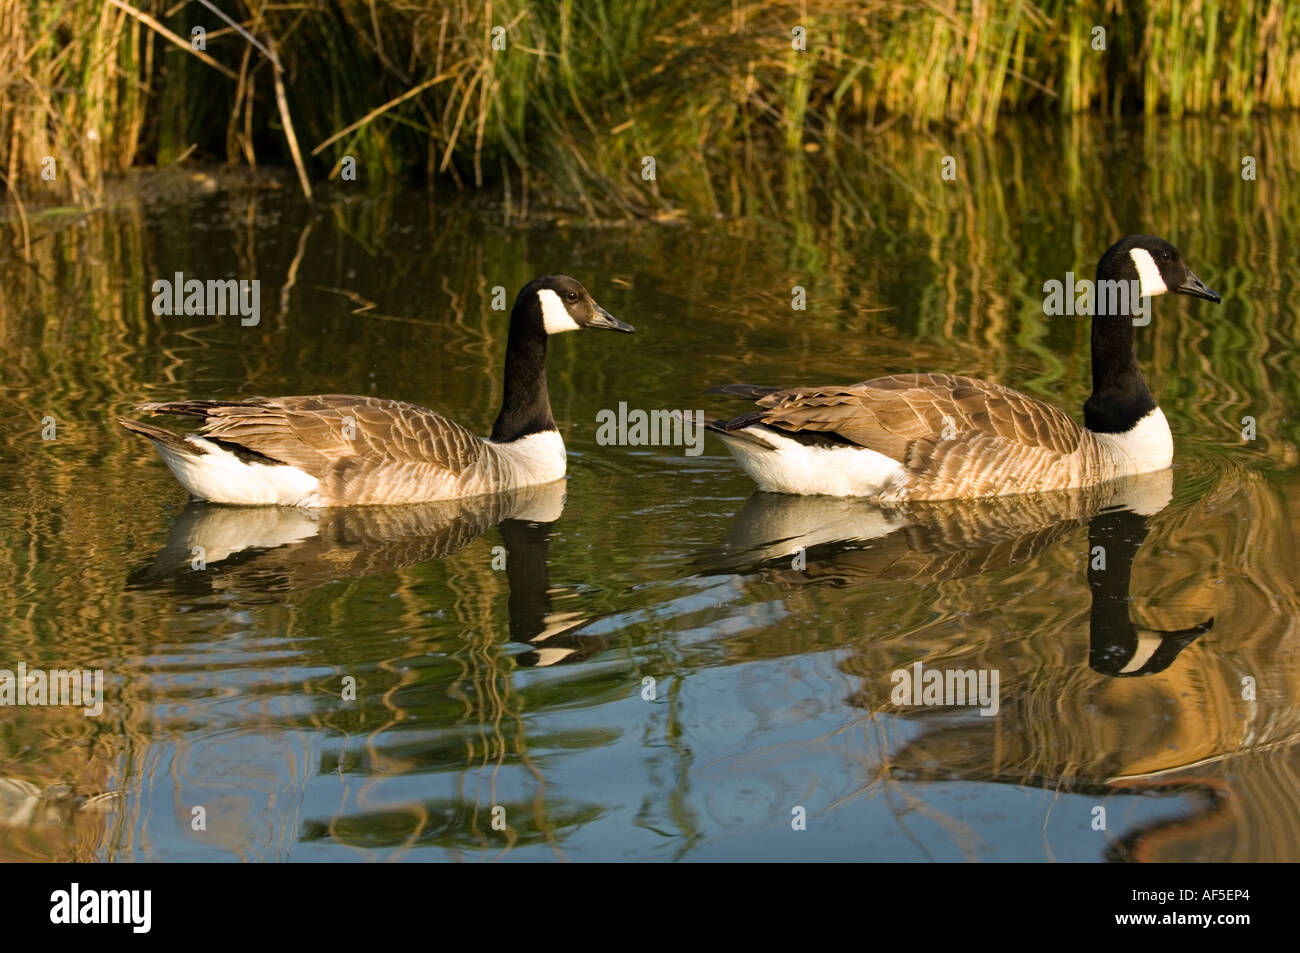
x: 954, y: 436
x: 907, y: 416
x: 356, y: 446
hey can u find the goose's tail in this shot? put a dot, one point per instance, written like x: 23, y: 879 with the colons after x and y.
x: 167, y: 442
x: 733, y: 431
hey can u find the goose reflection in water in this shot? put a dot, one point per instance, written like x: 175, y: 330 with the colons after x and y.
x: 796, y: 541
x: 1155, y: 711
x: 270, y: 554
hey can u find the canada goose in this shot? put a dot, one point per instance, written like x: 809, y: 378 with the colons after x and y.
x: 336, y: 450
x: 941, y: 436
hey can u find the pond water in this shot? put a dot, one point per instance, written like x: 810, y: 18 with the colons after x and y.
x: 650, y: 661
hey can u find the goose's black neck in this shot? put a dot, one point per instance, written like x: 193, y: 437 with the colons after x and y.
x: 526, y: 407
x: 1120, y: 397
x: 1115, y: 640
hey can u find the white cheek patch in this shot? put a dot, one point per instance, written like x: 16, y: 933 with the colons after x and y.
x: 1153, y: 283
x: 555, y: 316
x: 1148, y: 642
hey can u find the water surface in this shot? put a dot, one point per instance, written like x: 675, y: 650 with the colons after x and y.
x: 1163, y: 689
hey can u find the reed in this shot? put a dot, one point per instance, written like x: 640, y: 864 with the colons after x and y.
x: 559, y: 102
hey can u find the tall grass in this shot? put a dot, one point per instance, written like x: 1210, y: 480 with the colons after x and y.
x: 581, y: 92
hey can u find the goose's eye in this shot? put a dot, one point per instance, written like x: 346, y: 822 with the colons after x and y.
x: 571, y: 295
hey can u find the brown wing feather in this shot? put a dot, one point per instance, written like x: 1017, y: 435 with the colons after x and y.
x: 905, y: 416
x: 312, y: 433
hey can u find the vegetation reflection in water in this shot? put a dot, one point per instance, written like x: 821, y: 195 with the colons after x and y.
x: 523, y: 687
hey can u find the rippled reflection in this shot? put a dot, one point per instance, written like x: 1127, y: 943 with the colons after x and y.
x: 825, y: 541
x: 639, y: 671
x: 261, y: 555
x: 1184, y: 690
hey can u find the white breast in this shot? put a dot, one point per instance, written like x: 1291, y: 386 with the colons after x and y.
x: 537, y: 458
x: 1146, y: 446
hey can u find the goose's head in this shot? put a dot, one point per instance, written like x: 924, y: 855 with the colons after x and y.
x: 1155, y: 264
x: 560, y: 303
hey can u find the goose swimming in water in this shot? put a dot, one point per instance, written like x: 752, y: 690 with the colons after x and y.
x: 942, y: 436
x: 336, y: 450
